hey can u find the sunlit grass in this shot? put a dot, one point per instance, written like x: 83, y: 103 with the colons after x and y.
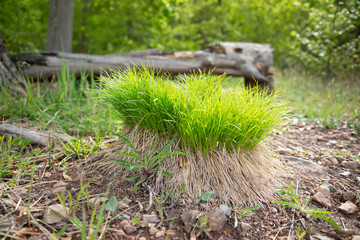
x: 195, y: 108
x: 63, y: 104
x: 332, y: 103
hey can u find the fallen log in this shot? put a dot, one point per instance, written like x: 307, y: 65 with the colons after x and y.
x: 36, y: 137
x: 252, y: 61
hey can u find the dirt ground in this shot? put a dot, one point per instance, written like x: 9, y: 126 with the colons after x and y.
x: 330, y: 149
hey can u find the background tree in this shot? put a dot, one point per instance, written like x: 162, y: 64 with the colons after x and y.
x: 60, y: 27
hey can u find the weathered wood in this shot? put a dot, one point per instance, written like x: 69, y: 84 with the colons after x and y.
x: 252, y: 61
x: 259, y: 56
x: 9, y: 76
x: 35, y: 137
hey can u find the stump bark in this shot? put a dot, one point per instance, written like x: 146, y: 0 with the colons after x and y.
x: 9, y: 76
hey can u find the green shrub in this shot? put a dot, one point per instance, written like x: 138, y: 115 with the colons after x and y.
x: 195, y: 108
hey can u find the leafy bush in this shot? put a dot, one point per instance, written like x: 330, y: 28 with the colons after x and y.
x: 329, y: 44
x: 195, y: 108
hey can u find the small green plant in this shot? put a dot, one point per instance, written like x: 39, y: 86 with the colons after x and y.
x: 160, y: 202
x: 201, y: 227
x: 204, y: 197
x: 240, y: 212
x: 81, y: 148
x: 72, y: 203
x: 111, y: 205
x: 299, y: 233
x: 346, y: 155
x: 136, y: 221
x: 92, y: 220
x: 145, y: 167
x: 175, y: 198
x: 10, y: 150
x: 291, y: 200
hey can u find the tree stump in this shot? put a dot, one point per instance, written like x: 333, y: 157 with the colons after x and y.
x: 9, y: 76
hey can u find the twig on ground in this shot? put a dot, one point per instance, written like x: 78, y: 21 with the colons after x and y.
x: 150, y: 199
x: 281, y: 228
x: 342, y: 221
x: 141, y: 207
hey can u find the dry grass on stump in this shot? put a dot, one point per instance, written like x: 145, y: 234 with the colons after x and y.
x: 246, y: 176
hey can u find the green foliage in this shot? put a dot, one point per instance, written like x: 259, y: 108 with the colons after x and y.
x: 195, y: 108
x: 111, y: 205
x: 323, y: 36
x: 299, y: 233
x: 175, y: 198
x: 147, y: 165
x: 206, y: 196
x: 160, y: 208
x: 240, y: 212
x: 329, y: 103
x: 201, y: 227
x: 329, y: 45
x: 64, y: 102
x: 23, y: 24
x: 91, y: 219
x: 136, y: 221
x: 291, y: 200
x: 81, y: 148
x: 159, y: 202
x: 10, y: 149
x: 162, y: 205
x: 140, y: 24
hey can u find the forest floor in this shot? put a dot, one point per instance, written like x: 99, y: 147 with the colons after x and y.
x: 331, y: 157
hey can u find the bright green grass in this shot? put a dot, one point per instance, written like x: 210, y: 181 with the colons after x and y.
x: 63, y: 105
x: 331, y: 103
x: 196, y: 108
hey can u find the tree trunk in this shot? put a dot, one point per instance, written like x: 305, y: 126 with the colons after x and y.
x: 9, y: 77
x: 60, y: 26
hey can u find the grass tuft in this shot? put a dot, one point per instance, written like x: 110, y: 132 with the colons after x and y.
x: 195, y: 108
